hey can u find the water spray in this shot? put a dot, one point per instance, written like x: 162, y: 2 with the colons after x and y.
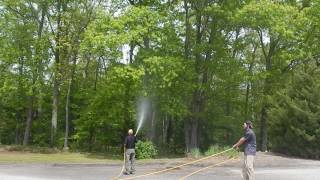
x: 142, y: 109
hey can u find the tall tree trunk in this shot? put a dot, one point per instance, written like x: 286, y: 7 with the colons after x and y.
x: 36, y: 74
x: 19, y: 116
x: 264, y: 117
x: 246, y: 108
x: 55, y: 98
x: 194, y: 122
x: 194, y: 144
x: 169, y: 130
x: 163, y: 128
x: 97, y: 74
x: 267, y: 88
x: 197, y: 100
x: 91, y: 135
x: 54, y: 118
x: 166, y: 129
x: 153, y: 123
x: 86, y: 68
x: 66, y: 134
x: 187, y: 126
x: 17, y: 130
x: 248, y: 86
x: 29, y: 122
x: 263, y: 129
x: 187, y: 31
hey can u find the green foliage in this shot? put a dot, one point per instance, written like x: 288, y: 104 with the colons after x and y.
x: 295, y: 116
x: 210, y: 69
x: 145, y: 150
x: 168, y: 79
x: 112, y: 108
x: 196, y: 153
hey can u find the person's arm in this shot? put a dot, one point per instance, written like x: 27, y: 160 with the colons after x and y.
x: 241, y: 141
x: 125, y: 142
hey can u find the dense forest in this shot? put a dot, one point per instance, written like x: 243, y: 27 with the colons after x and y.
x: 73, y: 73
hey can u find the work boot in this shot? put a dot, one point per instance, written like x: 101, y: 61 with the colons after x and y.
x: 125, y: 173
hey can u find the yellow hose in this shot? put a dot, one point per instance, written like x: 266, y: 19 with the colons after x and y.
x: 124, y: 161
x: 169, y: 169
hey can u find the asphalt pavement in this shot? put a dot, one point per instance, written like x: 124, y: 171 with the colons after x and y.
x: 267, y: 167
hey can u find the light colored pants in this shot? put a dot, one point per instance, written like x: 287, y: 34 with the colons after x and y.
x: 247, y: 168
x: 130, y: 160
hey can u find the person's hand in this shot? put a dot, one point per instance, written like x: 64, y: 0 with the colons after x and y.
x: 235, y: 147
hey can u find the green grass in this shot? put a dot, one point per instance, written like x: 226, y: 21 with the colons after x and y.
x: 19, y: 154
x: 195, y: 153
x: 70, y: 158
x: 217, y: 149
x: 23, y: 157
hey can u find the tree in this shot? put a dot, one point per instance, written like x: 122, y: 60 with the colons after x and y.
x: 276, y: 41
x: 294, y: 114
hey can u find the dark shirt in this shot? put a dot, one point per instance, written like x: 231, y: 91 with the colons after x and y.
x: 250, y: 142
x: 130, y: 142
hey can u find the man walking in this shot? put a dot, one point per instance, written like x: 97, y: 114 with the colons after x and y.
x: 249, y: 141
x: 129, y: 144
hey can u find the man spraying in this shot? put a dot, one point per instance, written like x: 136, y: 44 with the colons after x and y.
x: 249, y: 141
x: 129, y: 144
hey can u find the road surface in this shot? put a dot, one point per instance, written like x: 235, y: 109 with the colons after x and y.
x: 267, y: 167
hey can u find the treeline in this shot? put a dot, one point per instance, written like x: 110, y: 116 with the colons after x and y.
x: 72, y: 73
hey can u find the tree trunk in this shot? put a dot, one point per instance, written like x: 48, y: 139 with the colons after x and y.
x: 91, y: 135
x: 168, y: 130
x: 194, y: 144
x: 17, y: 130
x: 29, y: 122
x: 249, y: 82
x: 131, y: 46
x: 194, y: 122
x: 146, y: 42
x: 197, y: 100
x: 153, y: 123
x: 187, y: 128
x: 164, y: 129
x: 187, y: 125
x: 267, y: 88
x: 264, y: 117
x: 19, y: 117
x: 263, y: 129
x: 66, y: 134
x: 86, y: 68
x: 187, y: 30
x: 54, y: 118
x: 96, y: 75
x: 36, y: 74
x: 55, y: 98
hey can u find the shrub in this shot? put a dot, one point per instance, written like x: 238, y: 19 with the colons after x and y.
x: 195, y: 153
x: 145, y: 150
